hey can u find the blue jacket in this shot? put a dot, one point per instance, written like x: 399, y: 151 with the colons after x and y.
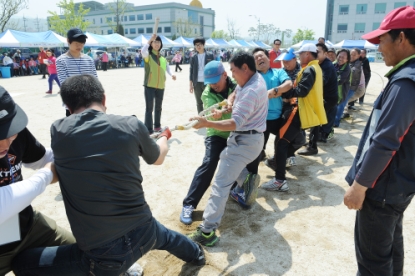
x: 385, y: 159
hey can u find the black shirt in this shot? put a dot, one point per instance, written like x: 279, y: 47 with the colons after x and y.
x: 24, y: 149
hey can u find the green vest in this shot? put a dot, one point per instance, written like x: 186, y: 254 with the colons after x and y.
x: 155, y: 70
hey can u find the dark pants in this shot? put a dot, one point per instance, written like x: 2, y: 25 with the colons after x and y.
x: 361, y: 99
x: 104, y: 66
x: 285, y: 146
x: 154, y: 101
x: 331, y: 111
x: 214, y: 145
x: 11, y: 65
x: 113, y: 258
x: 273, y: 126
x: 43, y: 69
x: 178, y: 66
x: 198, y: 88
x: 53, y: 77
x: 378, y: 238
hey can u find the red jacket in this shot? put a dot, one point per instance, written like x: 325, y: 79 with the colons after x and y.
x: 41, y: 56
x: 272, y: 56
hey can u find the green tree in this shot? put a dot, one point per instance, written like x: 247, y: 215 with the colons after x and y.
x: 186, y: 28
x: 118, y: 8
x: 8, y: 8
x: 219, y: 34
x: 303, y: 34
x: 72, y: 17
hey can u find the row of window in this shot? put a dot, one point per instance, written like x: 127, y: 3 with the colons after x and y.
x: 126, y: 18
x: 148, y: 30
x: 362, y: 8
x: 358, y: 27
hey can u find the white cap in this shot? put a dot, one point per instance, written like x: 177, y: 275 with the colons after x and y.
x: 309, y: 47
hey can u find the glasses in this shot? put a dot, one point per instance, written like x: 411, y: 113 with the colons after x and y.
x: 198, y: 44
x: 156, y: 41
x: 277, y: 44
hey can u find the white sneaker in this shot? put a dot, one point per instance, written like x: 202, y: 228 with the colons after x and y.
x: 134, y: 270
x: 291, y: 162
x: 276, y: 185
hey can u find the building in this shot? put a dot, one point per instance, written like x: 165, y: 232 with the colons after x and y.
x: 175, y: 19
x: 350, y: 19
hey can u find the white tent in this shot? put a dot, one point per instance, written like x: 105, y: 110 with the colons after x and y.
x: 122, y: 39
x: 329, y: 44
x: 11, y: 38
x: 182, y: 42
x: 360, y: 44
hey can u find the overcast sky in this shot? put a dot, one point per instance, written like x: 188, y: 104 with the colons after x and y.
x: 290, y: 14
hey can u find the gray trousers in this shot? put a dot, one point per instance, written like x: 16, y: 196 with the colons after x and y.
x: 241, y: 150
x: 198, y: 88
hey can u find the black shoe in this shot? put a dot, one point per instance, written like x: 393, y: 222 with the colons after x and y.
x: 352, y: 107
x: 345, y: 116
x: 308, y: 151
x: 44, y: 77
x: 262, y: 156
x: 200, y: 259
x: 270, y: 163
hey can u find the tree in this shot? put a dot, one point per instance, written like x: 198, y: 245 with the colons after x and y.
x: 232, y: 29
x: 72, y: 17
x: 186, y: 28
x: 118, y: 8
x: 266, y: 32
x: 303, y: 34
x: 8, y: 8
x: 219, y: 34
x: 285, y: 33
x: 14, y: 24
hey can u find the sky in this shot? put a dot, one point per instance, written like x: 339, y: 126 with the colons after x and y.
x: 291, y: 14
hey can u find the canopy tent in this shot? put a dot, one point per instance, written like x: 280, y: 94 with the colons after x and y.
x: 182, y: 42
x: 328, y: 43
x: 253, y: 44
x: 262, y: 44
x: 211, y: 43
x: 101, y: 40
x: 361, y: 44
x: 222, y: 43
x: 122, y: 39
x: 11, y: 38
x: 235, y: 44
x: 143, y: 39
x: 245, y: 44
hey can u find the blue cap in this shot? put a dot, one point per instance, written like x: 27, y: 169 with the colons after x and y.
x: 289, y: 55
x: 213, y: 71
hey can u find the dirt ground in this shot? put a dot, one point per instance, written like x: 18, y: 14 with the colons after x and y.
x: 305, y: 231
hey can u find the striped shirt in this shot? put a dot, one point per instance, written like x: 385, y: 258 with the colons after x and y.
x: 250, y: 108
x: 68, y: 66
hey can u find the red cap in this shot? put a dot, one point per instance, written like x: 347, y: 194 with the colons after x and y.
x: 400, y: 18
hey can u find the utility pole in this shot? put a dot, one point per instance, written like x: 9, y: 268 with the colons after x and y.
x: 24, y: 23
x: 37, y: 23
x: 118, y: 18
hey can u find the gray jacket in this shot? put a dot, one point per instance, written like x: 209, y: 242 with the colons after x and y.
x: 194, y: 66
x: 356, y: 67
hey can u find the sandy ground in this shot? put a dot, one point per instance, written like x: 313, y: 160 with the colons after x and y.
x: 305, y: 231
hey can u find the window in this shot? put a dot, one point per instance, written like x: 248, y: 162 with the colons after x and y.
x: 159, y: 30
x: 344, y: 9
x: 93, y: 21
x: 375, y: 25
x: 115, y: 19
x: 149, y: 30
x: 359, y: 27
x: 202, y: 22
x: 341, y: 28
x: 380, y: 7
x: 361, y: 8
x: 140, y: 17
x: 167, y: 29
x: 195, y: 31
x: 101, y: 20
x: 399, y: 4
x: 110, y: 32
x: 125, y: 18
x: 149, y: 16
x: 140, y: 30
x: 131, y: 18
x: 133, y: 31
x: 109, y: 19
x: 125, y: 31
x: 102, y: 32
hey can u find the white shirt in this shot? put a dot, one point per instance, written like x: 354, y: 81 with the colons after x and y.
x: 201, y: 68
x: 7, y: 60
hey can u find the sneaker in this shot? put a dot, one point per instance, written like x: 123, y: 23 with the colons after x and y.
x: 276, y: 185
x: 238, y: 195
x: 200, y: 259
x: 186, y: 214
x: 345, y: 116
x: 250, y: 187
x: 157, y: 129
x: 291, y: 162
x: 331, y: 135
x: 48, y: 92
x: 351, y: 107
x: 204, y: 239
x: 270, y: 163
x: 134, y: 270
x: 308, y: 151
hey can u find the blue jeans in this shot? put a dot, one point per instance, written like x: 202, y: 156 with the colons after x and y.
x: 340, y: 107
x: 53, y: 77
x: 331, y: 116
x: 154, y: 100
x: 113, y: 258
x: 378, y: 238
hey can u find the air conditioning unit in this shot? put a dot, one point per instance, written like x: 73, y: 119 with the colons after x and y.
x: 361, y: 12
x: 343, y: 13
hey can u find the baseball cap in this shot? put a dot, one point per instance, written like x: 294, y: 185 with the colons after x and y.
x: 288, y: 55
x: 400, y: 18
x: 331, y: 50
x: 309, y: 47
x: 12, y: 118
x: 74, y: 33
x: 213, y: 71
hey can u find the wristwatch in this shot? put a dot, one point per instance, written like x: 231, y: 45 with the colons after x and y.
x: 275, y: 90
